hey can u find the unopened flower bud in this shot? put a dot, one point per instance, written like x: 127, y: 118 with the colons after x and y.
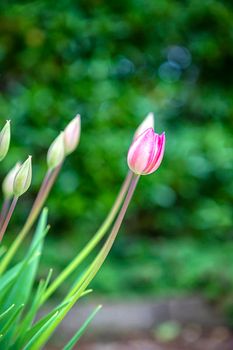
x: 5, y: 136
x: 56, y: 152
x: 72, y: 134
x: 146, y: 152
x: 23, y: 178
x: 8, y: 182
x: 147, y: 123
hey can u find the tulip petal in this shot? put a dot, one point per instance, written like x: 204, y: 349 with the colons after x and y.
x: 153, y: 154
x: 159, y: 155
x: 141, y: 151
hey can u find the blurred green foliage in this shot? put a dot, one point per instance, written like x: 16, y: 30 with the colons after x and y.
x: 113, y: 62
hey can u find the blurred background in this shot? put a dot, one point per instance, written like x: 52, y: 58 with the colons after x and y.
x: 113, y: 62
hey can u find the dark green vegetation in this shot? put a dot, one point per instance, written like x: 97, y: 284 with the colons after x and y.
x: 114, y: 62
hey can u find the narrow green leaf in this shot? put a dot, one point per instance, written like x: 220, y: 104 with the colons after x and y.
x: 11, y: 320
x: 28, y: 319
x: 48, y: 278
x: 25, y: 277
x: 45, y: 286
x: 32, y: 345
x: 86, y: 292
x: 31, y: 314
x: 6, y: 311
x: 9, y: 276
x: 2, y: 251
x: 35, y: 329
x: 80, y: 332
x: 41, y: 322
x: 22, y: 286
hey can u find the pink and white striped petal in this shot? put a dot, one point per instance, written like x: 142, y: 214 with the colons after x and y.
x: 146, y: 152
x: 159, y: 155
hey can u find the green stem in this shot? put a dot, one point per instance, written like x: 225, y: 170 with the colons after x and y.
x: 91, y: 272
x: 42, y: 195
x: 99, y: 260
x: 93, y: 242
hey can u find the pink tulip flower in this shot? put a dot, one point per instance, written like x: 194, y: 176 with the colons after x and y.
x: 146, y: 152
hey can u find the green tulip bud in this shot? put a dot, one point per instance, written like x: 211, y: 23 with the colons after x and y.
x: 8, y: 182
x: 56, y: 152
x: 23, y: 178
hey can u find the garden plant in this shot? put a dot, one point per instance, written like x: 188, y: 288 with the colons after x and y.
x: 20, y: 298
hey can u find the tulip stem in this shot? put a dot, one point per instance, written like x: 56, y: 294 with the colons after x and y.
x: 93, y: 242
x: 4, y: 210
x: 99, y: 260
x: 8, y: 217
x: 42, y: 195
x: 88, y: 276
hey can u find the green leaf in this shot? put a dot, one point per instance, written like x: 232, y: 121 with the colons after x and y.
x: 36, y: 328
x: 25, y: 276
x: 23, y: 282
x: 11, y: 321
x: 29, y: 317
x: 80, y: 332
x: 2, y: 251
x: 9, y: 277
x: 32, y: 343
x: 7, y: 311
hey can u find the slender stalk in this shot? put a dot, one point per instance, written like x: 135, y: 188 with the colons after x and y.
x: 93, y: 242
x: 8, y: 217
x: 42, y: 195
x: 4, y: 210
x: 77, y: 291
x: 99, y: 260
x: 41, y: 191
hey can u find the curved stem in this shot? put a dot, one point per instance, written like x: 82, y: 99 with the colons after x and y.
x: 4, y: 210
x: 77, y: 291
x: 93, y: 242
x: 8, y: 217
x: 42, y: 195
x: 99, y: 260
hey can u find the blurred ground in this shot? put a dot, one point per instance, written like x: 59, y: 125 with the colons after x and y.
x: 190, y: 339
x: 215, y: 340
x: 174, y: 324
